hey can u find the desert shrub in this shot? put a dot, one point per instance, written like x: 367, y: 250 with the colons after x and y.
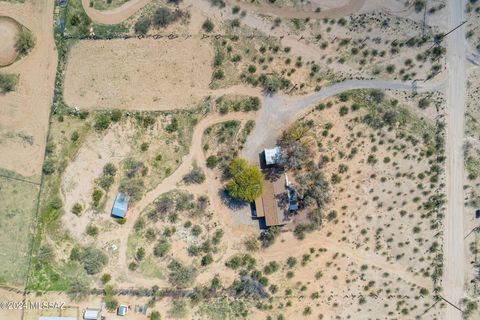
x: 92, y: 259
x: 196, y: 230
x: 252, y: 244
x: 155, y: 315
x: 25, y: 41
x: 142, y: 25
x: 162, y: 248
x: 206, y: 260
x: 172, y: 126
x: 241, y: 261
x: 218, y: 3
x: 212, y: 162
x: 105, y: 278
x: 268, y: 237
x: 74, y: 137
x: 246, y: 180
x: 196, y: 175
x: 164, y: 16
x: 179, y: 309
x: 249, y: 288
x: 314, y: 189
x: 92, y: 230
x: 132, y: 187
x: 140, y: 254
x: 77, y: 209
x: 96, y: 197
x: 180, y: 275
x: 272, y: 83
x: 8, y: 82
x: 116, y: 115
x: 208, y: 25
x: 78, y: 289
x: 102, y: 122
x: 48, y: 167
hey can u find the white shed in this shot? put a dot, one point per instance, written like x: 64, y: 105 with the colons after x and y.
x: 92, y: 314
x: 273, y: 156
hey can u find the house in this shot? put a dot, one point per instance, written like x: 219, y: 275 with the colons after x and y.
x: 273, y: 156
x: 270, y: 206
x: 92, y: 314
x: 120, y: 206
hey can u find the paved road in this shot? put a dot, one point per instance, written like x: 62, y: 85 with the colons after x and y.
x: 454, y: 275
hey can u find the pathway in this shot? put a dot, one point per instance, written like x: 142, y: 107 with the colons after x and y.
x: 454, y: 245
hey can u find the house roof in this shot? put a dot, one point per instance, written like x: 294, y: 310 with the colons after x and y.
x: 92, y: 314
x: 259, y: 208
x: 273, y: 156
x: 120, y: 206
x: 271, y: 205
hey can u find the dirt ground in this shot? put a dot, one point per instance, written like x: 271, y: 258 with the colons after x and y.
x: 9, y: 30
x: 24, y: 117
x: 137, y: 74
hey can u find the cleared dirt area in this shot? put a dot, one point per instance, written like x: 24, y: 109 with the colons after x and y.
x: 24, y: 116
x: 9, y: 30
x: 137, y: 74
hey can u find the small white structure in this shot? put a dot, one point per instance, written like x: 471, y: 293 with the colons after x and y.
x: 92, y: 314
x: 273, y: 156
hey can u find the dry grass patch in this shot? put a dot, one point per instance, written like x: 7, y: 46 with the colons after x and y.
x: 138, y: 74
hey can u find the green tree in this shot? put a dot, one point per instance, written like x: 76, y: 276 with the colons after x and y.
x: 208, y: 25
x: 247, y: 180
x: 25, y: 42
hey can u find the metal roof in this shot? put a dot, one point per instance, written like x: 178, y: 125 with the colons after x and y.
x: 120, y: 206
x: 273, y: 156
x: 92, y: 314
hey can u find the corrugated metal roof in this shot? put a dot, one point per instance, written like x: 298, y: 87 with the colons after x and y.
x: 273, y: 156
x: 92, y: 314
x: 120, y: 206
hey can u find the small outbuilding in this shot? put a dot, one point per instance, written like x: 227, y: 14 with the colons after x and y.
x: 92, y: 314
x: 122, y: 310
x: 273, y: 156
x: 120, y: 205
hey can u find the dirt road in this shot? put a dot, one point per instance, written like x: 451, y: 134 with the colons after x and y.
x: 454, y: 275
x: 116, y: 15
x: 289, y: 12
x: 277, y: 111
x: 122, y: 13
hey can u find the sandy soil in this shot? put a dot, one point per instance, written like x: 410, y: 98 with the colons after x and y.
x: 137, y: 74
x: 79, y: 176
x: 291, y: 12
x: 24, y: 117
x: 9, y: 30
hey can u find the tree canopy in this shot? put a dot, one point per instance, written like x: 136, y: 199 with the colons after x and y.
x: 247, y: 180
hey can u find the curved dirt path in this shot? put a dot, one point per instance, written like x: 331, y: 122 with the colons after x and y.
x: 210, y: 187
x: 290, y: 13
x: 9, y: 31
x: 276, y: 113
x: 129, y: 8
x: 116, y: 15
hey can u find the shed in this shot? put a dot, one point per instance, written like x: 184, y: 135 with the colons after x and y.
x: 92, y: 314
x: 273, y: 156
x: 122, y: 310
x: 120, y: 206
